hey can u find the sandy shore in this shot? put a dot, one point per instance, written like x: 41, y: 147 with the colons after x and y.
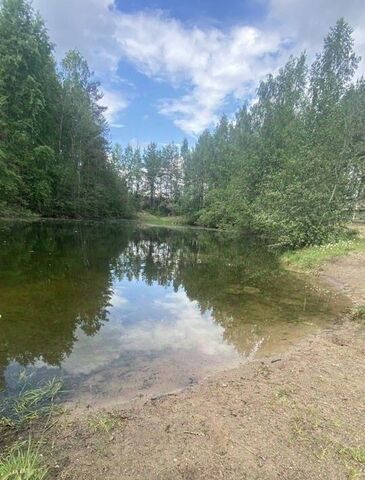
x: 297, y: 416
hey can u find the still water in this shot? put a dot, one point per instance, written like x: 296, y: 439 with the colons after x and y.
x: 122, y: 311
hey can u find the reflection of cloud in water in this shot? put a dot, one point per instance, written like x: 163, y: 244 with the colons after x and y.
x: 170, y: 321
x: 189, y: 329
x: 99, y: 300
x: 117, y: 300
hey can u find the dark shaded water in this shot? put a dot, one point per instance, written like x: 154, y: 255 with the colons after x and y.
x: 121, y: 311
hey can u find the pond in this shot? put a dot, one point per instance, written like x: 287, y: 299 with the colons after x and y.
x: 122, y: 311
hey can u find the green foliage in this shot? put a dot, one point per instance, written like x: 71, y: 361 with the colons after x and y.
x: 154, y: 177
x: 357, y: 454
x: 29, y: 404
x: 291, y: 167
x: 54, y: 152
x: 23, y: 462
x: 170, y: 220
x: 103, y: 422
x: 313, y: 257
x: 358, y: 313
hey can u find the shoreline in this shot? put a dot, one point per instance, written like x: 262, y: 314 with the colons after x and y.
x: 294, y: 416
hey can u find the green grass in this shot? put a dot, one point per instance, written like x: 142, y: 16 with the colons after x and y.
x: 103, y: 422
x: 30, y: 404
x: 357, y: 454
x: 150, y: 219
x: 359, y: 312
x: 310, y: 258
x: 23, y: 462
x: 353, y: 474
x: 7, y: 213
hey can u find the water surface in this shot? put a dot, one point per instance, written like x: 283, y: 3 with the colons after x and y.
x: 121, y: 311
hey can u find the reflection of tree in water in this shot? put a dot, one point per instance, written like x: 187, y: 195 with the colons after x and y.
x: 57, y: 277
x: 53, y: 279
x: 240, y: 283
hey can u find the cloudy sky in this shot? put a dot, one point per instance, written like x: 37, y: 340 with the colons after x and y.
x: 170, y: 68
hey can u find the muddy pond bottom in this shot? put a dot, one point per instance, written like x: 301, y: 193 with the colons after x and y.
x: 121, y: 311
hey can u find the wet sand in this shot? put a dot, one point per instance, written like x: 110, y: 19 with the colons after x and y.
x: 293, y: 416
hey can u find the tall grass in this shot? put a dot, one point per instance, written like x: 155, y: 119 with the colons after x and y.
x: 30, y: 404
x: 311, y: 258
x: 23, y: 462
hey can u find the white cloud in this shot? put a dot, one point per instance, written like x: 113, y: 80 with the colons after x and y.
x: 209, y: 65
x: 116, y: 103
x: 212, y: 63
x: 87, y: 25
x: 306, y: 22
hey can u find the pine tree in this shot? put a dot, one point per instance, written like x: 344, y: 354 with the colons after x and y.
x: 28, y: 95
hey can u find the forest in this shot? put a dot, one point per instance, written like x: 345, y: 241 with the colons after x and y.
x: 289, y: 166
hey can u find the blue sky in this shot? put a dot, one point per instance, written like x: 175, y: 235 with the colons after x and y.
x: 170, y: 68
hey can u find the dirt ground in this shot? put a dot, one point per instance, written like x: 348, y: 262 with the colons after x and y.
x: 295, y: 417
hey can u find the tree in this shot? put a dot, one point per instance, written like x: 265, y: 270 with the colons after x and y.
x: 28, y: 97
x: 87, y: 175
x: 172, y: 177
x: 291, y: 167
x: 152, y: 163
x: 54, y: 152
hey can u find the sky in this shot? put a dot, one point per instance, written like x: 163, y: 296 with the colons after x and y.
x: 170, y: 68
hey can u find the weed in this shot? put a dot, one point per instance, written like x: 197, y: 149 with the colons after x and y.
x: 298, y: 426
x: 282, y: 393
x: 103, y: 422
x: 283, y: 396
x: 337, y: 423
x: 353, y: 473
x: 359, y: 313
x: 357, y: 454
x: 322, y: 451
x: 29, y: 405
x: 23, y: 462
x: 310, y: 258
x: 306, y: 424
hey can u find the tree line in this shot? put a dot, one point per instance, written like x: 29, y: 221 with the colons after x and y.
x: 54, y: 148
x: 292, y: 165
x: 289, y: 166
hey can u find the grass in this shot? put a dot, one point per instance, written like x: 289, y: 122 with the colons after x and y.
x: 353, y: 474
x: 157, y: 220
x: 23, y: 462
x: 359, y: 312
x: 7, y: 213
x: 311, y: 258
x: 103, y: 422
x: 357, y: 454
x: 283, y: 396
x: 30, y: 404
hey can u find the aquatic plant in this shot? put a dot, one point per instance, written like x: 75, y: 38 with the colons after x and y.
x: 30, y: 404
